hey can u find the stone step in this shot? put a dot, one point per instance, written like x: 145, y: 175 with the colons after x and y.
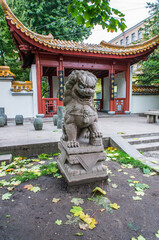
x: 144, y: 147
x: 140, y: 135
x: 150, y: 139
x: 6, y: 158
x: 152, y: 154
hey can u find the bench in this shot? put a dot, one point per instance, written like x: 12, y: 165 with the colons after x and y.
x: 152, y: 116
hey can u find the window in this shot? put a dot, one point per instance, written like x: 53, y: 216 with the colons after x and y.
x: 116, y: 43
x: 139, y: 34
x: 122, y: 41
x: 127, y: 40
x: 133, y: 37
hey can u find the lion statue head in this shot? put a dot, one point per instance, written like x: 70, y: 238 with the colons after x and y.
x: 80, y: 85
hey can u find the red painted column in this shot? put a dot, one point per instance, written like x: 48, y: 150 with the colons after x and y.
x: 111, y: 101
x: 38, y: 79
x: 127, y: 77
x: 51, y: 85
x: 102, y: 84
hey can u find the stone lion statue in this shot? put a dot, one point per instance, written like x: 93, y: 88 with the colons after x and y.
x: 80, y: 113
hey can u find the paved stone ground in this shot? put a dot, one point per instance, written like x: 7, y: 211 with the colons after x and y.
x: 117, y: 125
x: 25, y: 134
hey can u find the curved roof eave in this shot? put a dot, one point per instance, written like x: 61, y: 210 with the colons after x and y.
x: 48, y: 43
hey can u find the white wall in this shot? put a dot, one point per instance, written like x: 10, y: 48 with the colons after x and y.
x: 106, y: 94
x: 121, y: 84
x: 15, y: 104
x: 35, y: 96
x: 56, y: 85
x: 142, y: 103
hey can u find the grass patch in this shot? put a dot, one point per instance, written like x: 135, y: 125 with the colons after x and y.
x: 123, y: 158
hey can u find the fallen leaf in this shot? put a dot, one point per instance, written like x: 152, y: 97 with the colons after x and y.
x: 141, y: 238
x: 120, y: 170
x: 98, y: 189
x: 136, y: 198
x: 114, y: 185
x: 139, y: 193
x: 90, y: 221
x: 132, y: 177
x: 6, y: 196
x: 76, y: 210
x: 131, y: 184
x: 125, y: 173
x: 28, y: 187
x: 2, y: 174
x: 41, y: 162
x: 72, y: 219
x: 114, y: 206
x: 102, y: 210
x: 146, y: 171
x: 79, y: 234
x: 10, y: 188
x: 157, y: 234
x: 83, y: 226
x: 32, y: 188
x: 4, y: 183
x: 9, y: 169
x: 77, y: 201
x: 56, y: 200
x: 58, y: 222
x: 35, y: 189
x: 16, y: 183
x: 135, y: 181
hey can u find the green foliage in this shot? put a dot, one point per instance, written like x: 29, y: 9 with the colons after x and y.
x: 25, y: 176
x: 45, y: 156
x: 93, y: 12
x: 149, y: 70
x: 48, y: 18
x: 8, y: 53
x: 123, y: 158
x: 42, y: 18
x: 49, y: 169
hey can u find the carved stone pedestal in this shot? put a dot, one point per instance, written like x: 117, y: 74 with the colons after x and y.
x: 83, y: 164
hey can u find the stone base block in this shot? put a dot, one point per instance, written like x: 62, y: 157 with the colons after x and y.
x: 6, y: 158
x: 84, y: 164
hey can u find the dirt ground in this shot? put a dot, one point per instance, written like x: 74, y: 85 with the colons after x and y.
x: 32, y: 215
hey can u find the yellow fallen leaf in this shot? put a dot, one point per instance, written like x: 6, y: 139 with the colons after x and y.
x: 136, y: 198
x: 98, y: 189
x: 132, y: 177
x: 135, y: 181
x: 114, y: 206
x: 56, y: 200
x: 125, y: 173
x: 90, y: 221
